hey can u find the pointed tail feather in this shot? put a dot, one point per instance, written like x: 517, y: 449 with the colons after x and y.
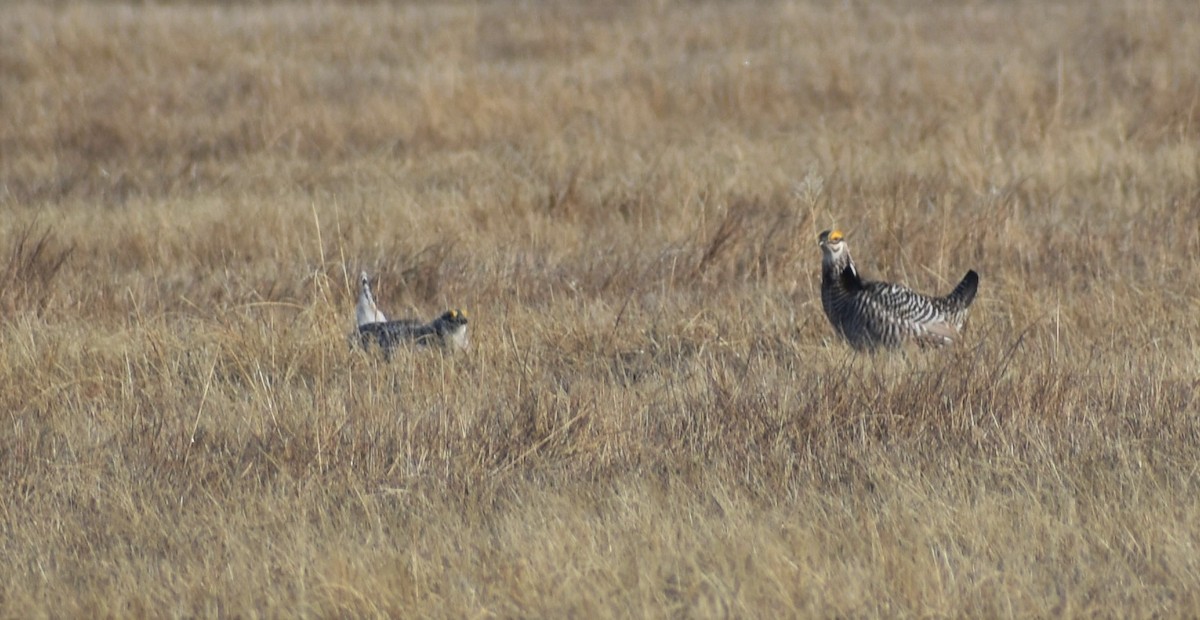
x: 964, y: 293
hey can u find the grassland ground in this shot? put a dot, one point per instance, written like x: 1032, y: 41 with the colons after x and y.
x: 654, y: 418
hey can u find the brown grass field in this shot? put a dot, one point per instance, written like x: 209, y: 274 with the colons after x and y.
x: 654, y: 419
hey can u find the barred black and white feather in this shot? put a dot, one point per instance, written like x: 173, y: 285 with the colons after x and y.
x: 448, y: 331
x: 871, y: 315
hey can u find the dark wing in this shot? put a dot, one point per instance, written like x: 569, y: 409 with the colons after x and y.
x: 389, y: 333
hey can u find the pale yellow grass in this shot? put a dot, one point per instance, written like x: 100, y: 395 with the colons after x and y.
x: 654, y: 419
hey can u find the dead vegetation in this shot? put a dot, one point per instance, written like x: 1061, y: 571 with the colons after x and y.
x: 654, y: 419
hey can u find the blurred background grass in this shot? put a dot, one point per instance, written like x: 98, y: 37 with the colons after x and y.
x: 654, y: 418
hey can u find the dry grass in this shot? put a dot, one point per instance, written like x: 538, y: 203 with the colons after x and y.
x: 654, y: 420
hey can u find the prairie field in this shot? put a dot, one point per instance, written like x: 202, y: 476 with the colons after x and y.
x: 655, y: 418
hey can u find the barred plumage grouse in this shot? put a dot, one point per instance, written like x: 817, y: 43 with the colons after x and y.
x: 871, y: 315
x: 448, y: 331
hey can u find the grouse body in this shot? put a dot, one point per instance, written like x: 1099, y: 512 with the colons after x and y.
x: 870, y: 315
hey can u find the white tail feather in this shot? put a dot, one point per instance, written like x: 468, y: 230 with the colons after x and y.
x: 367, y: 311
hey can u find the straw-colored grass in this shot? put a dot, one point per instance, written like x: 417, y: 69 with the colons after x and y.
x: 655, y: 418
